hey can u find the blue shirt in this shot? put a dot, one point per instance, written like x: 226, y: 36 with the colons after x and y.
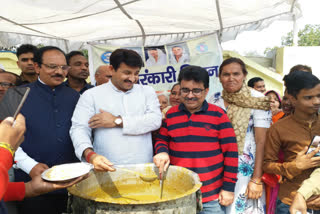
x: 86, y: 86
x: 48, y: 115
x: 3, y: 209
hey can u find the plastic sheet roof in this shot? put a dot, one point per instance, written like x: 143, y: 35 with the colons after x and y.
x: 138, y: 22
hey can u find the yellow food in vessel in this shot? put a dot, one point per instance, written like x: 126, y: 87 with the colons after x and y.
x: 127, y: 194
x: 122, y: 187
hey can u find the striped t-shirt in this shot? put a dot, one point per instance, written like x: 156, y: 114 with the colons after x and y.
x: 203, y: 142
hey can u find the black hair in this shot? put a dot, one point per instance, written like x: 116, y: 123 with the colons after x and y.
x: 26, y: 48
x: 175, y: 85
x: 253, y: 80
x: 298, y: 80
x: 195, y: 73
x: 72, y: 54
x: 233, y: 60
x: 129, y: 57
x: 300, y: 67
x: 277, y: 95
x: 41, y: 51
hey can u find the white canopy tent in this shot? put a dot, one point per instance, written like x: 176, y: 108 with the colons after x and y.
x: 70, y: 24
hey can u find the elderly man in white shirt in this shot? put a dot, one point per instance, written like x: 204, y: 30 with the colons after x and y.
x: 121, y: 114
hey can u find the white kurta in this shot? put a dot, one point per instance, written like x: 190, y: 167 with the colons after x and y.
x: 132, y: 144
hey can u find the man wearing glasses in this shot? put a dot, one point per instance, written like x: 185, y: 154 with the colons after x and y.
x: 48, y: 110
x: 7, y: 80
x: 199, y: 136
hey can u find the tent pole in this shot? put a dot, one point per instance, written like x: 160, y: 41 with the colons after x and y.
x: 220, y: 20
x: 294, y: 27
x: 295, y: 32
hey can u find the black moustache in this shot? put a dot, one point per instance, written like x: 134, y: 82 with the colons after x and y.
x: 128, y: 81
x: 193, y: 99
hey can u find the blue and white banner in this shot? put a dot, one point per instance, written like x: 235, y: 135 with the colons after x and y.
x: 163, y: 63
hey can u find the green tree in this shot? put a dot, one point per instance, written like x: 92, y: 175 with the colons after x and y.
x: 308, y: 36
x: 287, y: 40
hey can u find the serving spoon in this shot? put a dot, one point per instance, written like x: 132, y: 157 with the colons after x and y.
x: 144, y: 177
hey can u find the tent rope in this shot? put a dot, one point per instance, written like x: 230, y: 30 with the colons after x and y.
x: 79, y: 17
x: 28, y: 28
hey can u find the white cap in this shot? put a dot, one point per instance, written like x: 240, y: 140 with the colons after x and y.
x: 2, y: 67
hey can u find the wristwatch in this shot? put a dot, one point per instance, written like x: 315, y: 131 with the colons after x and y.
x: 118, y: 121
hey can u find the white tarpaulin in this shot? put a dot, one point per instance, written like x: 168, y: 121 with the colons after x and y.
x: 133, y: 22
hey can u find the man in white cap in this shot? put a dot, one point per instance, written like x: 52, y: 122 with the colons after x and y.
x: 7, y: 80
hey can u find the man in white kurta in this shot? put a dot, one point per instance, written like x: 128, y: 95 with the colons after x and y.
x: 119, y: 116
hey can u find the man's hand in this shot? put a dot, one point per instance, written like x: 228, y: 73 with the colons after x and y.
x: 254, y: 191
x: 38, y: 169
x: 102, y: 120
x: 101, y: 163
x: 226, y: 197
x: 37, y: 186
x: 12, y: 132
x: 314, y: 202
x: 162, y: 161
x: 307, y: 161
x: 298, y: 205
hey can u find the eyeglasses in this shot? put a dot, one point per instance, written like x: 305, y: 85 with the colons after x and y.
x: 195, y: 91
x: 56, y: 67
x: 6, y: 84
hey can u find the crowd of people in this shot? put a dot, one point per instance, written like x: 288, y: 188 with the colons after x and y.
x: 248, y: 146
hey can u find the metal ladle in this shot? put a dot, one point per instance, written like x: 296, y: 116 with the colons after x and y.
x: 146, y: 178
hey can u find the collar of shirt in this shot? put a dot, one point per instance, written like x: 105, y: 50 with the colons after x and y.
x: 203, y: 108
x: 45, y: 86
x: 86, y: 86
x: 304, y: 122
x: 41, y: 81
x: 23, y: 79
x: 118, y: 90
